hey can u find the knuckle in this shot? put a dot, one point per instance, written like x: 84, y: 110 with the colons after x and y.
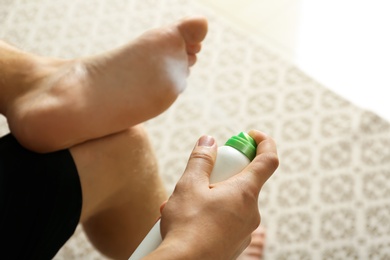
x: 205, y: 157
x: 271, y: 159
x: 257, y: 220
x: 254, y: 221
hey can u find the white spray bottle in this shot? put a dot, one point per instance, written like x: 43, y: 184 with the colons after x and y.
x: 232, y: 158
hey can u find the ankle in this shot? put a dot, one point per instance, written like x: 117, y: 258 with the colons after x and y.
x: 21, y: 72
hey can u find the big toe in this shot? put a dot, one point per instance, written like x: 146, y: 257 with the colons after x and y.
x: 193, y: 29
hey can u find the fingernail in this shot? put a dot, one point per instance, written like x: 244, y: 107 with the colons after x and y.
x: 206, y: 140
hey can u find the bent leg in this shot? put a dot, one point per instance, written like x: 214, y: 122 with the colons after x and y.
x: 122, y: 190
x: 40, y: 201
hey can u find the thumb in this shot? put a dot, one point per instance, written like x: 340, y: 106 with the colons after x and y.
x: 201, y: 161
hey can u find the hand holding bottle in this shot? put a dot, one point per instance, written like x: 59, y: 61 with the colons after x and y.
x: 214, y: 221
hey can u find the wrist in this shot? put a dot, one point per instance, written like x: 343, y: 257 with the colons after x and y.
x: 173, y: 248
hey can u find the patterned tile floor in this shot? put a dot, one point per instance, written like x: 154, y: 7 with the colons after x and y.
x: 342, y: 44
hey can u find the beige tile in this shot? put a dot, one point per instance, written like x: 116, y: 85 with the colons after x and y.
x: 247, y: 12
x: 342, y: 44
x: 274, y: 21
x: 282, y: 29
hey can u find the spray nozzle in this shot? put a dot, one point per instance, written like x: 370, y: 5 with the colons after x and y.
x: 243, y: 143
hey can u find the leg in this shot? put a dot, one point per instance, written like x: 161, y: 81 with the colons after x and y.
x: 40, y: 201
x: 122, y: 191
x: 53, y: 104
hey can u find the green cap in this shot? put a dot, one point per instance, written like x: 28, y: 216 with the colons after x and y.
x: 243, y: 143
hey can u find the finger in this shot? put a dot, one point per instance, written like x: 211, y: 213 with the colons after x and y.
x: 265, y: 144
x: 258, y: 136
x: 265, y: 162
x: 263, y: 165
x: 201, y: 162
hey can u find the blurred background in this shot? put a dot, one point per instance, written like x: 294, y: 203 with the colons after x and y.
x: 344, y: 44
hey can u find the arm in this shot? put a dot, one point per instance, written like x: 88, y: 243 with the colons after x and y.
x: 203, y: 221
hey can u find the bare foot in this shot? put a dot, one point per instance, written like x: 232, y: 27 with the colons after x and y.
x: 255, y: 249
x: 73, y: 101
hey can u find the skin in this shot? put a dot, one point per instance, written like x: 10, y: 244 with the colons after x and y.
x: 93, y: 106
x: 122, y: 194
x: 53, y: 104
x: 122, y: 190
x: 255, y: 250
x: 195, y: 219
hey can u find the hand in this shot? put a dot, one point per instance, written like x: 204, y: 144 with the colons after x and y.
x: 214, y: 221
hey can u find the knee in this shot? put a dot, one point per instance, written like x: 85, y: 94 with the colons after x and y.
x: 137, y: 150
x: 139, y: 166
x: 136, y: 139
x: 137, y: 132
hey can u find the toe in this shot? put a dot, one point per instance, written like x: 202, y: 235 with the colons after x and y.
x: 191, y: 59
x: 193, y: 29
x: 193, y: 48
